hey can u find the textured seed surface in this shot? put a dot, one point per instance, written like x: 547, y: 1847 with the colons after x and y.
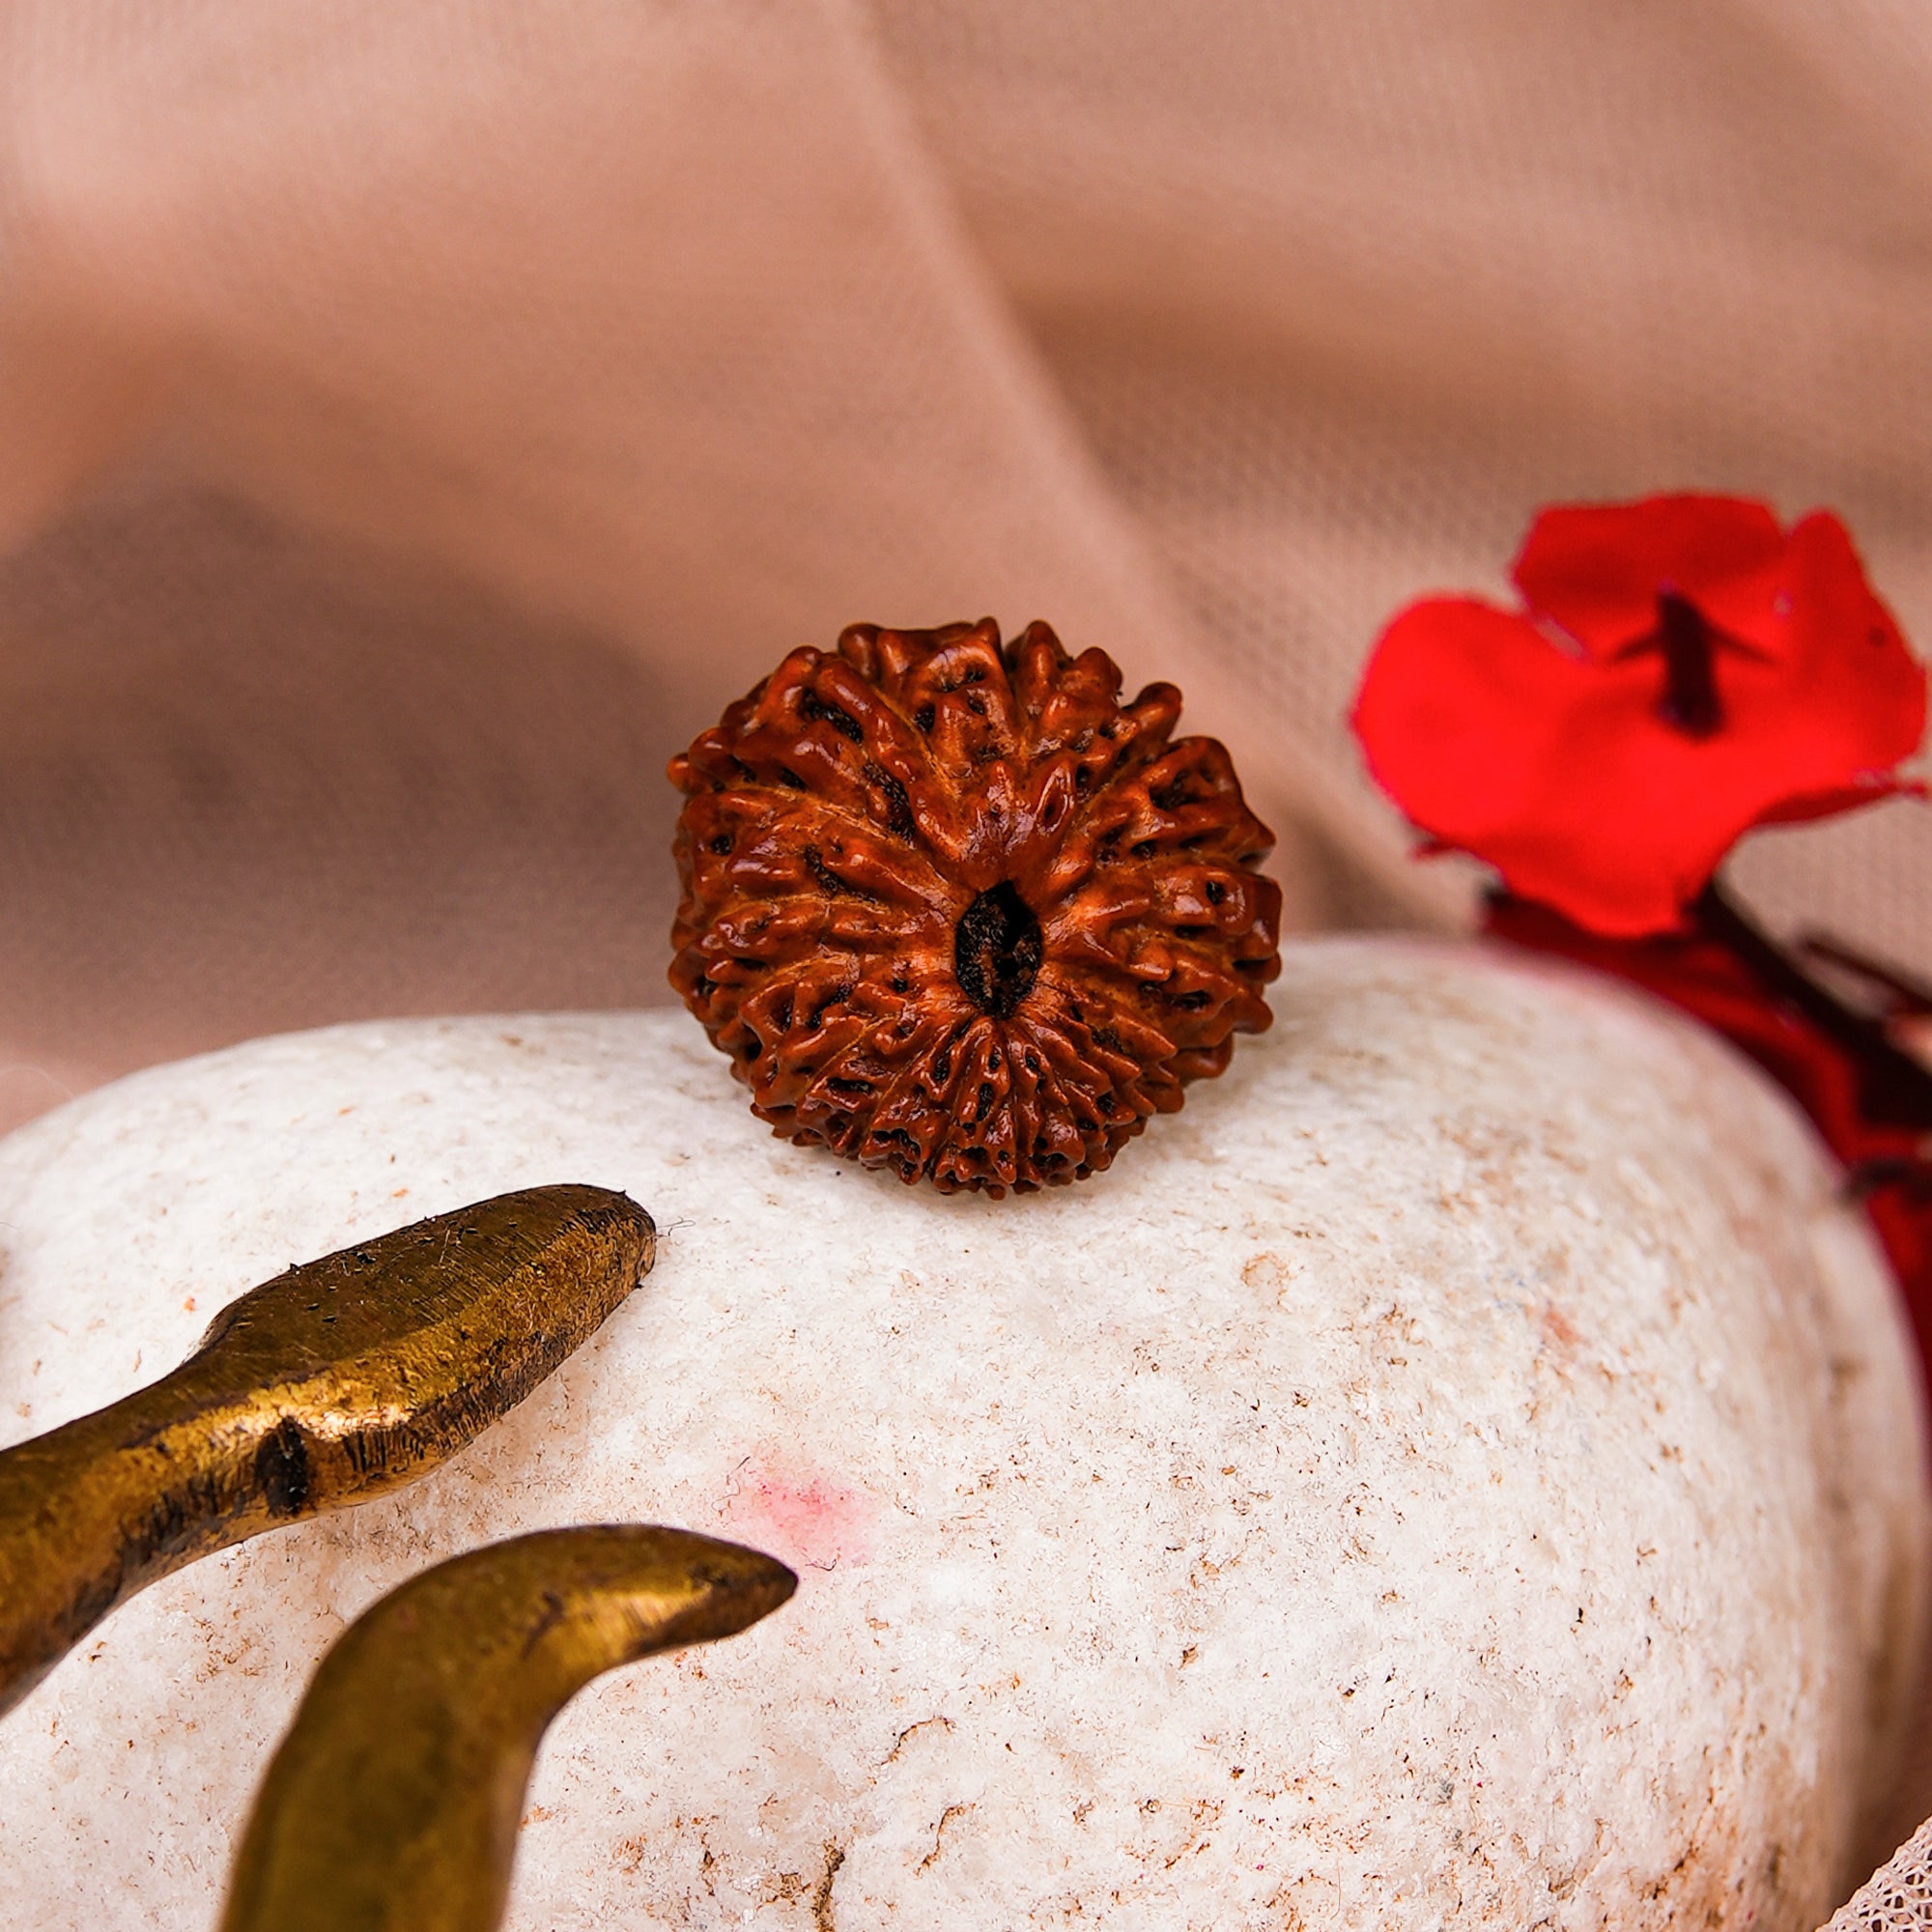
x: 956, y: 911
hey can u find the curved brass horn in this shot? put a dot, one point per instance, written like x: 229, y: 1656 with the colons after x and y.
x: 393, y: 1801
x: 327, y: 1385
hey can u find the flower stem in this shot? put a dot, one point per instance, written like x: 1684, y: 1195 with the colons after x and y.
x: 1900, y: 1088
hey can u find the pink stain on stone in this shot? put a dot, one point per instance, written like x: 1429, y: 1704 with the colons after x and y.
x: 798, y: 1515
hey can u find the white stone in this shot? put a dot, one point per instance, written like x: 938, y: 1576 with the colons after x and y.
x: 1463, y: 1471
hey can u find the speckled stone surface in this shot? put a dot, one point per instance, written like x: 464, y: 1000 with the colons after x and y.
x: 1463, y: 1471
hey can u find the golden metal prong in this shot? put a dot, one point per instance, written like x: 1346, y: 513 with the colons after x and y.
x: 394, y: 1799
x: 327, y: 1385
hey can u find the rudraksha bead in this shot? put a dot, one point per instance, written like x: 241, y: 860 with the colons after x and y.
x: 952, y: 909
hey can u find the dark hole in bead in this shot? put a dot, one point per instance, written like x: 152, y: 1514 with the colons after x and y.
x: 1216, y: 892
x: 923, y: 716
x: 720, y: 843
x: 997, y: 951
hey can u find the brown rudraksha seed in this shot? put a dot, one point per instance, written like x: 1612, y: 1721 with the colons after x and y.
x: 954, y: 909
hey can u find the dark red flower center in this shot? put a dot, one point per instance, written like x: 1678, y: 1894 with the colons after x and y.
x: 1689, y: 642
x: 996, y: 950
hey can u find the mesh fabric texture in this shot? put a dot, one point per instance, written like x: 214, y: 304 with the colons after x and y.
x: 1897, y: 1895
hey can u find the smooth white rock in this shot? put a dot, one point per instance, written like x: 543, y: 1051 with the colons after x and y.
x: 1463, y: 1471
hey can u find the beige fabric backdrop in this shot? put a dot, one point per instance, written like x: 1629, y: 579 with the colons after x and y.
x: 420, y: 417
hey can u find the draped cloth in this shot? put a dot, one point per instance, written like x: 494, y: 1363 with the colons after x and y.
x: 419, y: 418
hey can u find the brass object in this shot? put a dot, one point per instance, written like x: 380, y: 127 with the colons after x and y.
x: 393, y: 1801
x: 334, y: 1382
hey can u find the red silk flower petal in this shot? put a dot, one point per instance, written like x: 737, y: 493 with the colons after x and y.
x: 1831, y: 804
x: 1495, y: 742
x: 1452, y: 685
x: 1570, y: 776
x: 1854, y: 693
x: 1822, y: 731
x: 1596, y: 569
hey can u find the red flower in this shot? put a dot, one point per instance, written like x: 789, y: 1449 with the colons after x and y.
x: 1683, y: 670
